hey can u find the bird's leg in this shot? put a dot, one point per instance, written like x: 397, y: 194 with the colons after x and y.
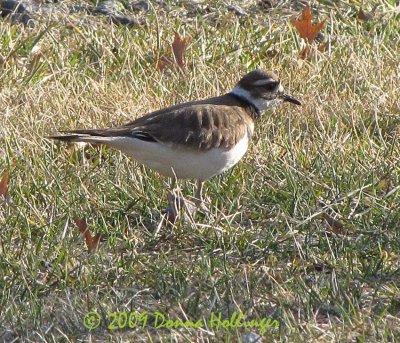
x: 178, y: 205
x: 199, y: 192
x: 172, y: 185
x: 174, y: 203
x: 199, y: 202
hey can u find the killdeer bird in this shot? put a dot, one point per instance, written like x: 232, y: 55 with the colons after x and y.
x: 194, y: 140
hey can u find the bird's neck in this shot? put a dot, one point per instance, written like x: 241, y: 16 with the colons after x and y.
x: 245, y: 97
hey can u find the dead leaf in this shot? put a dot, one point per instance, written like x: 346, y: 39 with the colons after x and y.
x: 4, y: 186
x: 366, y: 16
x: 91, y: 241
x: 334, y: 225
x: 179, y: 47
x: 5, y: 198
x: 163, y: 62
x: 307, y: 30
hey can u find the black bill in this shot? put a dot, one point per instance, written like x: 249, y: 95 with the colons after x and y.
x: 288, y: 98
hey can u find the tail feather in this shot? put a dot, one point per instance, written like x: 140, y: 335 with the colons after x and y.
x: 90, y: 136
x: 85, y: 135
x: 80, y: 138
x: 95, y: 132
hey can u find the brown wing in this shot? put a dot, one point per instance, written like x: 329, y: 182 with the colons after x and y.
x: 200, y: 125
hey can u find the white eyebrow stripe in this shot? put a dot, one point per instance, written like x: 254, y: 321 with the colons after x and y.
x: 264, y: 82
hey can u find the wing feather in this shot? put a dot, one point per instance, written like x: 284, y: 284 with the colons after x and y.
x: 201, y: 125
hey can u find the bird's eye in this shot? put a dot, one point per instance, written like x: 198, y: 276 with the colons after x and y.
x: 272, y: 86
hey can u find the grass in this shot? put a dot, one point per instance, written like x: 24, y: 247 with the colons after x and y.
x: 265, y: 249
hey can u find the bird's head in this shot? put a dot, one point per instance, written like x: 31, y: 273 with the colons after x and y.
x: 263, y: 90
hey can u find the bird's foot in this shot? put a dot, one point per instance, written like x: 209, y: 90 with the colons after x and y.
x: 200, y: 205
x: 179, y: 207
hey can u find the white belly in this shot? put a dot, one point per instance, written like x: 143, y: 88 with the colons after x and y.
x: 184, y: 163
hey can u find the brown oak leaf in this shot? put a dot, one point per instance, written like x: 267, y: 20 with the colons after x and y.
x: 179, y: 47
x: 334, y: 225
x: 4, y: 186
x: 91, y: 241
x: 306, y: 28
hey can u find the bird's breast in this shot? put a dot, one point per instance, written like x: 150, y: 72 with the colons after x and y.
x: 183, y: 162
